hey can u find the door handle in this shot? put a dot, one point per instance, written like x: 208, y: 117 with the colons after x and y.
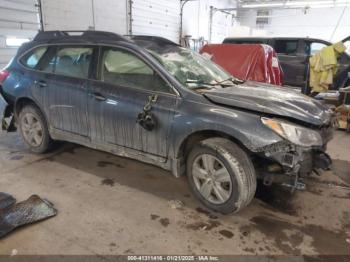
x: 40, y: 83
x: 98, y: 97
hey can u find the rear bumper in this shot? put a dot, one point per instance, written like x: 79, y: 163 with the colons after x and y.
x: 6, y: 116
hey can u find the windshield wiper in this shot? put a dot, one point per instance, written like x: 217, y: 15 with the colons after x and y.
x: 199, y: 82
x: 231, y: 79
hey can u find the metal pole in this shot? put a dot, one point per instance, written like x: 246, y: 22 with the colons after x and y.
x: 338, y: 23
x: 93, y: 14
x: 183, y: 3
x: 130, y: 3
x: 211, y: 16
x: 40, y: 11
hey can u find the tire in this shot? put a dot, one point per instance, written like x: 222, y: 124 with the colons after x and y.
x: 31, y: 131
x: 224, y: 198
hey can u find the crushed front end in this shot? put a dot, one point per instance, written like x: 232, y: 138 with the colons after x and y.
x: 300, y: 154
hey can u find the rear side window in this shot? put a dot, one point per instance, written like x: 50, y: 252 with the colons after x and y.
x: 287, y: 47
x: 73, y: 61
x: 70, y: 61
x: 32, y: 59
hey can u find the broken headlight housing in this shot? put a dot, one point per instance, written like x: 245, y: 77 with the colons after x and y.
x: 297, y: 135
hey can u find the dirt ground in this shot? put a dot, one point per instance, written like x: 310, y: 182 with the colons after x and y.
x: 110, y: 205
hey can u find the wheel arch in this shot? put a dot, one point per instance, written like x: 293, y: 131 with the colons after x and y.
x: 198, y: 136
x: 21, y: 102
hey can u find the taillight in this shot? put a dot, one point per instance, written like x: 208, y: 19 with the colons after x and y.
x: 3, y: 75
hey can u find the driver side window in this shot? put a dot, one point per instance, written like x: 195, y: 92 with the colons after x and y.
x: 122, y: 68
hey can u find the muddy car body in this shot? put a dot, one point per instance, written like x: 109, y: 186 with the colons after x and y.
x: 152, y: 100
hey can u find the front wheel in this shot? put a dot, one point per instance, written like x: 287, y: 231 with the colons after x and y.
x: 221, y: 175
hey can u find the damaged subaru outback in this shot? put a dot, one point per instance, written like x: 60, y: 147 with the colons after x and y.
x: 149, y: 99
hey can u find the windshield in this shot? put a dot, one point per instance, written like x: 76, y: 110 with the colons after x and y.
x: 190, y: 68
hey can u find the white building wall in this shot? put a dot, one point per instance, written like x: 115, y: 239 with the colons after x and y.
x: 317, y: 23
x: 196, y: 20
x: 156, y: 17
x: 18, y: 19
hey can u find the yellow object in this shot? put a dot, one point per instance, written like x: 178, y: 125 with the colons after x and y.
x: 323, y: 67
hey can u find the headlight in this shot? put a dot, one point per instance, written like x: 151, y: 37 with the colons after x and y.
x: 298, y: 135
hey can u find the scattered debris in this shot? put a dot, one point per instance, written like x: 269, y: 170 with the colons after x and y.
x: 226, y: 233
x: 107, y: 182
x: 164, y: 221
x: 14, y: 252
x: 348, y: 240
x: 207, y: 226
x: 176, y: 204
x: 206, y: 212
x: 154, y: 217
x: 32, y: 210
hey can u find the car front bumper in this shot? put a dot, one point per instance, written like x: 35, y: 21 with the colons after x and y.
x: 288, y: 164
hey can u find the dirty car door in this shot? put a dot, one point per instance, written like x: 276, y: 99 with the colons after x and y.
x: 62, y: 88
x: 126, y: 84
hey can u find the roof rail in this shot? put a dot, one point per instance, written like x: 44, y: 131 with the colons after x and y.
x: 96, y: 35
x: 157, y: 39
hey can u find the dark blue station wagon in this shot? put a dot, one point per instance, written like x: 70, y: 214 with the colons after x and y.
x: 149, y: 99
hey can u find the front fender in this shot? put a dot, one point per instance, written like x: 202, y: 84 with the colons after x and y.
x: 243, y: 126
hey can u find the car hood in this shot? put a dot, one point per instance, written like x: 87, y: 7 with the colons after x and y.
x: 270, y: 99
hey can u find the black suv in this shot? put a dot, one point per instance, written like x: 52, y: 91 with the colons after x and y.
x: 294, y: 54
x: 149, y: 99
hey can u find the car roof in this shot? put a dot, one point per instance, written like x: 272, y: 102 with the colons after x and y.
x: 88, y: 36
x: 95, y: 37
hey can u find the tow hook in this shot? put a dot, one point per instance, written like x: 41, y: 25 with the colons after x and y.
x: 146, y: 119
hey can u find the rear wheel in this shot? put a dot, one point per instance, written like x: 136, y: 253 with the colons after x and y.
x: 34, y: 129
x: 221, y: 175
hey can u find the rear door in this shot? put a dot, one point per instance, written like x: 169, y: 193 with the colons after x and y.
x: 126, y: 84
x: 62, y: 86
x: 293, y: 60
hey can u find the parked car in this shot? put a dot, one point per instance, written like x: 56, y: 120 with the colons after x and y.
x: 294, y: 54
x: 152, y: 100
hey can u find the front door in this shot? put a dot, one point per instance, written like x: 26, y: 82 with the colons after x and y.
x: 130, y: 105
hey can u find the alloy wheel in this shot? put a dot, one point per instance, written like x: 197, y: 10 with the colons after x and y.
x: 212, y: 179
x: 32, y: 130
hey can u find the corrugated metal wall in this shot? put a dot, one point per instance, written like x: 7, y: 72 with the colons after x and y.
x: 18, y: 19
x: 156, y: 17
x: 107, y: 15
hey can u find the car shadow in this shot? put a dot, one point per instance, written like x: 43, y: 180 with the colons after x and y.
x: 123, y: 171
